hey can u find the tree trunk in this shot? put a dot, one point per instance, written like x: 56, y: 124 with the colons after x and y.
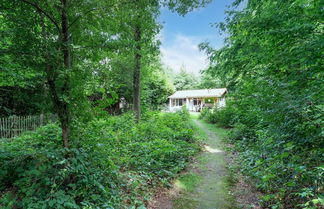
x: 137, y: 73
x: 65, y: 115
x: 60, y: 107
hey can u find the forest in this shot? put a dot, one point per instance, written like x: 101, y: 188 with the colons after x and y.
x: 95, y: 66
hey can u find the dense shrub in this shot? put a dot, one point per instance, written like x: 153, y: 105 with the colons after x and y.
x: 279, y: 143
x: 204, y: 111
x: 112, y: 163
x: 159, y: 157
x: 273, y: 65
x: 224, y: 117
x: 35, y: 172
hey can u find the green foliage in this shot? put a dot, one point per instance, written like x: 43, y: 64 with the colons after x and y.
x: 209, y: 100
x: 184, y: 80
x: 209, y: 82
x: 272, y: 65
x: 113, y: 162
x: 225, y: 116
x: 159, y: 157
x: 76, y: 58
x: 156, y: 87
x: 36, y: 173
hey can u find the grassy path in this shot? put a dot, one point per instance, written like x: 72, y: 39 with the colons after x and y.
x: 205, y: 185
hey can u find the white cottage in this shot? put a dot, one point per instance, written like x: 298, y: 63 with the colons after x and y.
x: 195, y: 100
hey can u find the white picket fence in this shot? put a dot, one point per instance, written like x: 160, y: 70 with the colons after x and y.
x: 15, y: 125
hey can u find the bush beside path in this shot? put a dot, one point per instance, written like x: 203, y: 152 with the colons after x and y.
x: 208, y: 182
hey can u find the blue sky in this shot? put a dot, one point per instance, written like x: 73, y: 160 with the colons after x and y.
x: 180, y: 36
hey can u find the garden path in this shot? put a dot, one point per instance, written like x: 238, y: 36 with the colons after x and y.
x: 204, y: 185
x: 207, y: 176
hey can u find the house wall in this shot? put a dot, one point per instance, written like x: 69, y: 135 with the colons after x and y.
x: 177, y: 104
x: 195, y: 104
x: 222, y: 102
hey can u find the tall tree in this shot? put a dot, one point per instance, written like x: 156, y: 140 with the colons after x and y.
x: 209, y: 82
x: 60, y: 38
x: 48, y: 32
x: 145, y: 21
x: 184, y: 80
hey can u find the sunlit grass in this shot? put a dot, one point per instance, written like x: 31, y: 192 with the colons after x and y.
x: 187, y: 182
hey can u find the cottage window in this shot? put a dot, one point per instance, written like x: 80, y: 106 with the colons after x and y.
x: 195, y: 101
x: 178, y: 102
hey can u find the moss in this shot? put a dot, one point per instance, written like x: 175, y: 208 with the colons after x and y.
x: 185, y: 203
x: 208, y: 182
x: 188, y: 182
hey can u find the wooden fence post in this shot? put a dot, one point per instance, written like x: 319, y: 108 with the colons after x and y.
x: 42, y: 119
x: 14, y: 126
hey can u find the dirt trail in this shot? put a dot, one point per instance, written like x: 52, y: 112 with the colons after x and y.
x: 211, y: 191
x: 204, y: 185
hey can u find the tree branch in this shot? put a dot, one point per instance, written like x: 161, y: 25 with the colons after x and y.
x: 43, y: 12
x: 86, y: 13
x: 77, y: 18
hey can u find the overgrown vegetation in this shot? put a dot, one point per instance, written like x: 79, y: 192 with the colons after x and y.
x: 114, y: 162
x: 87, y: 60
x: 273, y: 67
x: 225, y: 117
x: 82, y: 54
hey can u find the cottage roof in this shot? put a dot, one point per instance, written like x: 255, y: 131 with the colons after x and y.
x: 199, y: 93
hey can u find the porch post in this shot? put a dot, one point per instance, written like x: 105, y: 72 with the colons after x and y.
x: 187, y: 103
x: 170, y: 103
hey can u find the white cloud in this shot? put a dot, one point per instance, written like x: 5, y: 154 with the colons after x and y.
x: 183, y: 50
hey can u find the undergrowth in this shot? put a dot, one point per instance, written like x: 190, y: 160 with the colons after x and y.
x: 113, y: 163
x: 284, y: 161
